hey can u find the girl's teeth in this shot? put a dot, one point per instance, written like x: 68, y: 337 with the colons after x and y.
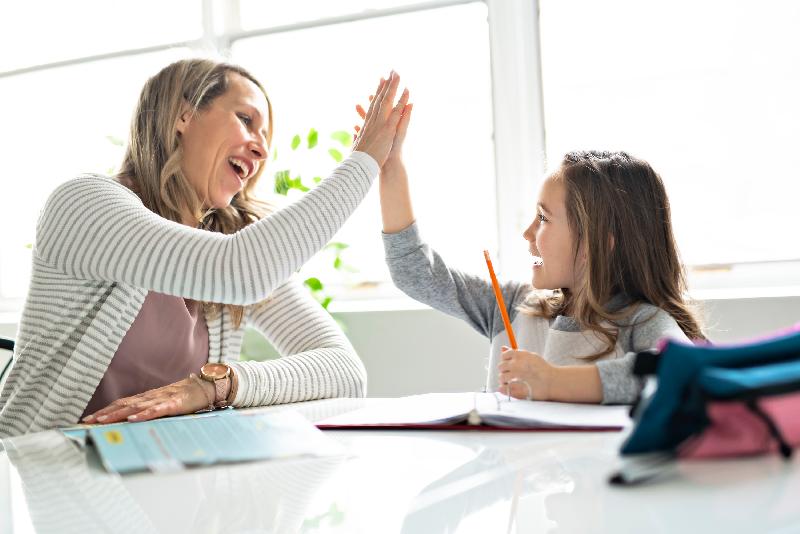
x: 537, y: 260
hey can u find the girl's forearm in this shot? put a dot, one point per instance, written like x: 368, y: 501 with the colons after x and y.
x: 396, y: 207
x: 576, y: 383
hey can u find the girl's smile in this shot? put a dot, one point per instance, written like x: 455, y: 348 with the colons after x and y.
x: 550, y: 240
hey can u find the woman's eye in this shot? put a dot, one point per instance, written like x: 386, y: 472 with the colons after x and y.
x: 246, y: 120
x: 542, y: 218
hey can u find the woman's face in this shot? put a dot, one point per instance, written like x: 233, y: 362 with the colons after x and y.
x: 224, y: 145
x: 550, y: 238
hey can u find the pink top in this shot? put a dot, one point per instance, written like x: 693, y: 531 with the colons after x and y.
x: 167, y: 341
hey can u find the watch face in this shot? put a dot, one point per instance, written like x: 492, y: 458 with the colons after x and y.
x: 215, y: 371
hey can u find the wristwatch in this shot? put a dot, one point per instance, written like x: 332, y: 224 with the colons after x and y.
x: 218, y: 374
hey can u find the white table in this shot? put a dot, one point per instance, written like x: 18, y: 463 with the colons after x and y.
x: 399, y: 481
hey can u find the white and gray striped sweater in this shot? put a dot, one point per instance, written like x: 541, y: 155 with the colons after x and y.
x: 99, y: 251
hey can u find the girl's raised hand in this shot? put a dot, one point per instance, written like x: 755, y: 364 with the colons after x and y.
x: 377, y: 135
x: 526, y: 367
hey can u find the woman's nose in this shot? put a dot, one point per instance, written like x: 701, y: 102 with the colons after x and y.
x: 258, y: 149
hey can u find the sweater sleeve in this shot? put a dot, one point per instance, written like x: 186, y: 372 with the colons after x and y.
x: 317, y: 361
x: 649, y: 325
x: 96, y: 229
x: 422, y: 275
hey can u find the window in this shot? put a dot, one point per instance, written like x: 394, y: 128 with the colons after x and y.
x: 316, y: 76
x: 706, y: 92
x: 708, y: 98
x: 66, y: 107
x: 37, y: 32
x: 60, y: 123
x: 257, y: 14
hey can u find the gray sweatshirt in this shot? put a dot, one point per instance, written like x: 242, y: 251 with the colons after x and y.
x: 422, y: 274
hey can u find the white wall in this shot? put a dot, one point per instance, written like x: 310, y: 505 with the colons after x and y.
x: 407, y: 352
x: 417, y: 351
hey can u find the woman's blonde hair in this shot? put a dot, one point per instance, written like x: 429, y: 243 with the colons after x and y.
x: 618, y: 211
x: 152, y: 161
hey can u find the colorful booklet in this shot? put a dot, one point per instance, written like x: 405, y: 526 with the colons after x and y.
x: 222, y: 436
x: 489, y: 411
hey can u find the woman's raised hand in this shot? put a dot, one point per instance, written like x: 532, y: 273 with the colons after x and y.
x: 377, y: 135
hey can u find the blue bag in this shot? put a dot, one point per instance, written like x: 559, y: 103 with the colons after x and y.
x: 713, y: 401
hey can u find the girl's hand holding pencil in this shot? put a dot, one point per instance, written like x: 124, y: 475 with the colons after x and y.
x: 527, y: 368
x: 523, y: 374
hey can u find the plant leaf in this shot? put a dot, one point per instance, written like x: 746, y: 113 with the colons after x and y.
x: 337, y: 263
x: 114, y: 140
x: 345, y: 138
x: 336, y: 155
x: 313, y: 137
x: 317, y: 179
x: 295, y: 142
x: 336, y: 245
x: 282, y: 182
x: 326, y: 301
x: 274, y: 153
x: 313, y: 284
x: 297, y: 183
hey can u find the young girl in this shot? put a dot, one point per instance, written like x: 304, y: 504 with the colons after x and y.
x: 607, y: 281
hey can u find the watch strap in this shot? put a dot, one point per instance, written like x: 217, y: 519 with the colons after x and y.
x: 221, y: 390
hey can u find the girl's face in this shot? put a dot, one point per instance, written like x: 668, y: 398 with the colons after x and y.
x: 225, y: 144
x: 549, y: 238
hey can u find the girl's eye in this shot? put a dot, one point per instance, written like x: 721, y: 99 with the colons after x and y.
x: 542, y: 218
x: 246, y: 120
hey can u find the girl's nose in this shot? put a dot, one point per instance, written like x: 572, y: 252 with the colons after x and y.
x: 530, y: 232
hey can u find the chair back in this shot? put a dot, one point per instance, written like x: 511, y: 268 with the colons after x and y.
x: 5, y: 345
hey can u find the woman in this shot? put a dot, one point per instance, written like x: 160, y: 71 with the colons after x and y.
x: 140, y: 280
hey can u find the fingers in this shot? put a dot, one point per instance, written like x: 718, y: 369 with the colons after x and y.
x: 374, y: 101
x: 360, y: 111
x: 519, y: 390
x: 397, y: 110
x: 160, y: 409
x: 123, y: 411
x: 389, y: 91
x: 119, y: 404
x: 402, y: 126
x: 403, y: 102
x: 173, y: 399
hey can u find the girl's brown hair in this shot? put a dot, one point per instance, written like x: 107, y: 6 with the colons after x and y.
x: 619, y: 213
x: 152, y: 162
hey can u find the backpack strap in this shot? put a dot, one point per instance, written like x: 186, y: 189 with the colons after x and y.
x: 646, y: 362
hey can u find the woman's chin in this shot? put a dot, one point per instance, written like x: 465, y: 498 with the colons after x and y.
x: 222, y: 201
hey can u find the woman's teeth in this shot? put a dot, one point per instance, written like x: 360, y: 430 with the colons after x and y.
x: 537, y: 260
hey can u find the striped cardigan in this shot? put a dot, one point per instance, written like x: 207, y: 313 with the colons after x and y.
x: 99, y: 251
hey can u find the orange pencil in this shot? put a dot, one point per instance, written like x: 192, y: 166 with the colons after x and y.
x: 499, y: 296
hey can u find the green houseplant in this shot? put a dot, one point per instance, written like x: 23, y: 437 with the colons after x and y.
x: 286, y: 181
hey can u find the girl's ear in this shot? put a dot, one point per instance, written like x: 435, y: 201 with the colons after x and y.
x: 184, y: 118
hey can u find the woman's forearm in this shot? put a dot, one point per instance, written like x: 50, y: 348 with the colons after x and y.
x: 395, y: 197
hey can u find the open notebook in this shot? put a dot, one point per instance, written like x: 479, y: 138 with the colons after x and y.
x: 479, y: 410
